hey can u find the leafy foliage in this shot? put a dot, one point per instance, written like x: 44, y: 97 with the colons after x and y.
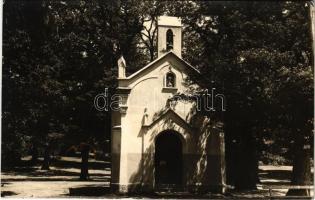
x: 58, y: 55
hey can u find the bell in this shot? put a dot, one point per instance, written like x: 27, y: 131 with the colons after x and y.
x: 169, y: 47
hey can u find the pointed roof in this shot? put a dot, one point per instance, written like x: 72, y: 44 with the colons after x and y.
x: 166, y: 55
x: 172, y: 115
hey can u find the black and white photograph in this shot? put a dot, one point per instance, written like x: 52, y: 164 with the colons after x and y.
x: 131, y: 99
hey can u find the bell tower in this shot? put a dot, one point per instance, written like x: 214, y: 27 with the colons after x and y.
x: 169, y: 35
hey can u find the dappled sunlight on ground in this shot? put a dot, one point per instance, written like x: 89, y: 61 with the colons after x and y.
x: 44, y: 188
x: 64, y: 173
x: 276, y: 176
x: 29, y: 181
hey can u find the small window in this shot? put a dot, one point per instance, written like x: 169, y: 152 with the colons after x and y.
x: 169, y: 40
x: 170, y: 80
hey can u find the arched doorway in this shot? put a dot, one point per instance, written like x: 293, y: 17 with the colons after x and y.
x: 168, y: 159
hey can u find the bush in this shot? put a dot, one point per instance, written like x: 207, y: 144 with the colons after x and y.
x: 71, y: 151
x: 273, y: 159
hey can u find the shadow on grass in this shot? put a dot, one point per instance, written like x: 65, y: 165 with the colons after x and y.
x: 281, y: 175
x: 68, y: 169
x: 94, y: 164
x: 74, y: 164
x: 275, y: 174
x: 50, y: 173
x: 89, y: 190
x: 28, y: 168
x: 7, y: 193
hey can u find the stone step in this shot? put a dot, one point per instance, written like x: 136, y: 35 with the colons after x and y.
x: 89, y: 191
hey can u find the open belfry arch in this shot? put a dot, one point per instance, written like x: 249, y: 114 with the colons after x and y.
x: 156, y: 145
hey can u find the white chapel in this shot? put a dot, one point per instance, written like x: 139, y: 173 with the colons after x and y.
x: 156, y: 144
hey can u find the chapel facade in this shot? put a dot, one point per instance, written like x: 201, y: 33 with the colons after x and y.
x: 157, y: 143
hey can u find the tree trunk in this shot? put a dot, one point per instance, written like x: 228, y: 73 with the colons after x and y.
x: 246, y: 174
x: 46, y: 161
x: 312, y: 19
x: 301, y: 174
x: 85, y: 161
x: 34, y: 152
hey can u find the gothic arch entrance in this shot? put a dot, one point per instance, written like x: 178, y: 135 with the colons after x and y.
x: 168, y: 159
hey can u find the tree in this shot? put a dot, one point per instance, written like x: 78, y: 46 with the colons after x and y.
x: 21, y: 113
x: 52, y: 72
x: 59, y: 55
x: 85, y: 150
x: 150, y: 11
x: 245, y: 47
